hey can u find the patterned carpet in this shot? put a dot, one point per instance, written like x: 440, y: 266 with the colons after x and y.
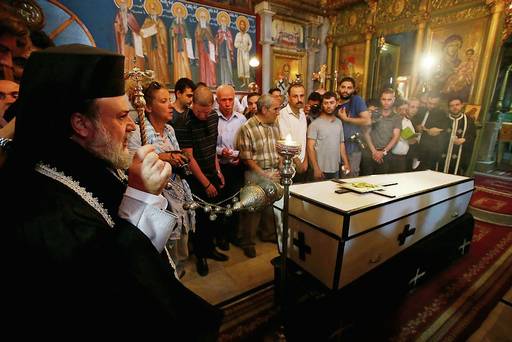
x: 454, y: 303
x: 492, y: 200
x: 450, y: 306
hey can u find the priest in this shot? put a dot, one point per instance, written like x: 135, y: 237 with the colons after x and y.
x: 459, y: 139
x: 86, y: 252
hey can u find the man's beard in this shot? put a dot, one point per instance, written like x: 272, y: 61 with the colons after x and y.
x: 345, y: 96
x: 105, y: 148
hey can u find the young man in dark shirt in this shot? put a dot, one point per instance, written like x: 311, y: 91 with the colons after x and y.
x: 183, y: 90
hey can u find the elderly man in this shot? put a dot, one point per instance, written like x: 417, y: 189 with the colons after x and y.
x: 87, y: 252
x: 256, y: 142
x: 230, y: 122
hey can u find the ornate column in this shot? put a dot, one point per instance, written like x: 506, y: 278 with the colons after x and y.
x: 370, y: 31
x: 367, y: 49
x: 263, y: 10
x: 493, y: 40
x: 312, y: 49
x: 483, y: 152
x: 335, y: 66
x: 322, y: 54
x: 329, y: 42
x: 422, y: 20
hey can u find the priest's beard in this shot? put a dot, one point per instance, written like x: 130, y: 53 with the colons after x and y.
x: 116, y: 153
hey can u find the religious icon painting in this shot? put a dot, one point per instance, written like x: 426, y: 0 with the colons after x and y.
x: 243, y: 44
x: 179, y: 39
x: 457, y: 49
x: 473, y: 111
x: 351, y: 62
x: 153, y: 7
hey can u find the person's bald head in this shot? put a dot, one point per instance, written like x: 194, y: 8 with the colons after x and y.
x: 202, y: 102
x: 226, y: 99
x: 203, y: 96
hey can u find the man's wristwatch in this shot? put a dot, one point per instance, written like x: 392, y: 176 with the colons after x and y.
x: 5, y: 144
x: 385, y: 152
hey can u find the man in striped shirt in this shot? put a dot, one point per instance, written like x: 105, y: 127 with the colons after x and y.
x: 257, y: 145
x: 197, y: 136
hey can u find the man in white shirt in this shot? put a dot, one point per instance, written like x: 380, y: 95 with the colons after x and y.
x: 229, y: 124
x: 292, y: 121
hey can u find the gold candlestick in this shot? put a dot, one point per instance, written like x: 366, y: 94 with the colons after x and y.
x: 137, y: 75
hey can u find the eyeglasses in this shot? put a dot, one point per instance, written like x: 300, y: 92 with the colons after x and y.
x: 13, y: 94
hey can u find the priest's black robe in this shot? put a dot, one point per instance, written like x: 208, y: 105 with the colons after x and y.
x: 430, y: 147
x: 455, y: 159
x: 66, y: 269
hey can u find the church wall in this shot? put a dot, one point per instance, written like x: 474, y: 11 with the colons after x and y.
x: 100, y: 23
x: 461, y: 39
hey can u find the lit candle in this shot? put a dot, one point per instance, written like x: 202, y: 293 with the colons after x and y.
x: 288, y: 141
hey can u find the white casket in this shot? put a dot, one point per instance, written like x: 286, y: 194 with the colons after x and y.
x: 339, y: 237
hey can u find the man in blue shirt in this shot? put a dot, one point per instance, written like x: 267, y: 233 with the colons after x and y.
x: 353, y: 113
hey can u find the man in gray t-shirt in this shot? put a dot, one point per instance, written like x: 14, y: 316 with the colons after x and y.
x: 382, y: 136
x: 325, y: 143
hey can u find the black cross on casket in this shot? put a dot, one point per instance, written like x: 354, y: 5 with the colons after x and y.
x: 405, y: 233
x: 301, y: 245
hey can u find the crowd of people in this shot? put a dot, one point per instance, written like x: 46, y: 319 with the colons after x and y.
x: 104, y: 231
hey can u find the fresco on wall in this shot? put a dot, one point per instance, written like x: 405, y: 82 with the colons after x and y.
x: 457, y: 49
x: 287, y: 34
x: 177, y: 39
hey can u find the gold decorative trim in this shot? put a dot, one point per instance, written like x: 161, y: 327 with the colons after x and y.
x: 353, y: 20
x: 398, y: 27
x: 88, y: 197
x: 440, y: 4
x: 391, y: 11
x: 467, y: 14
x: 347, y: 39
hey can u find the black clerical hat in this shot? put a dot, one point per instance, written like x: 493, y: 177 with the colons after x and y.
x: 56, y: 82
x: 84, y: 71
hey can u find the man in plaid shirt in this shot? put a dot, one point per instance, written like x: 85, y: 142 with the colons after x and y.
x: 257, y: 145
